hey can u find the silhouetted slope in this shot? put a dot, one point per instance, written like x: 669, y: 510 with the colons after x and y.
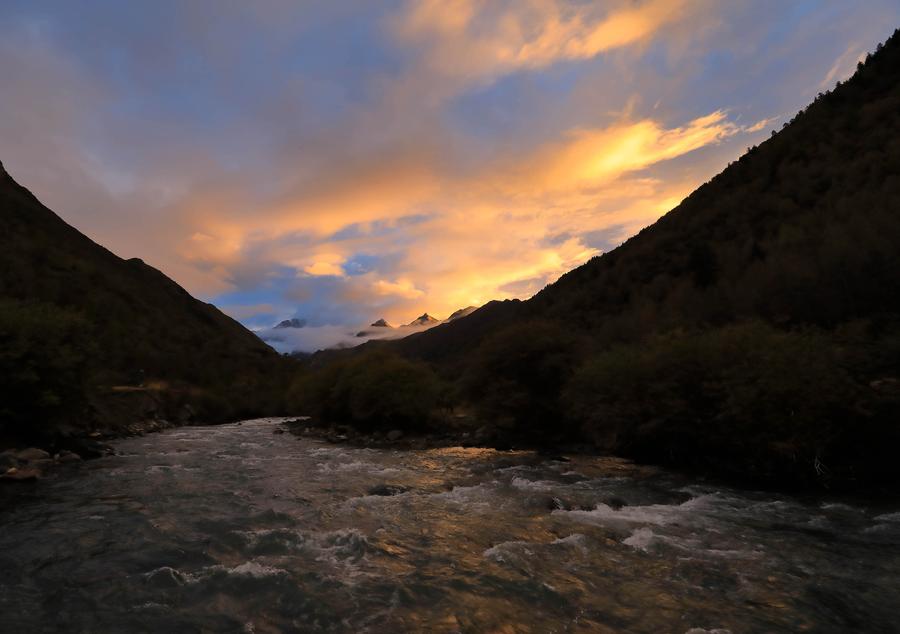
x: 138, y: 324
x: 752, y: 331
x: 804, y: 228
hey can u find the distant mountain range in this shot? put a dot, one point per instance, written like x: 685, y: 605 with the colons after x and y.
x: 284, y: 335
x: 291, y: 323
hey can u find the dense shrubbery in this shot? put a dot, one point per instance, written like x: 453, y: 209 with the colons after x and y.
x: 515, y: 377
x: 741, y: 398
x: 753, y: 330
x: 371, y: 391
x: 44, y: 367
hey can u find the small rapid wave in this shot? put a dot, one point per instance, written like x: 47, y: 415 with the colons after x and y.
x: 234, y: 528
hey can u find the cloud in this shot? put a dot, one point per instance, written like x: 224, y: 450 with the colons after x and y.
x: 248, y: 311
x: 402, y: 288
x: 599, y: 156
x: 345, y: 163
x: 478, y: 40
x: 313, y: 338
x: 843, y: 66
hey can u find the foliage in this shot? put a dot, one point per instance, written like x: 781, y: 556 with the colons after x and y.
x: 371, y: 391
x: 704, y: 398
x: 44, y: 367
x: 515, y: 376
x: 752, y: 329
x: 140, y: 325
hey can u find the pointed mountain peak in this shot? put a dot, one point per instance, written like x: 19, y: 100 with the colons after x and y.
x: 462, y: 312
x: 423, y: 320
x: 292, y: 323
x: 381, y: 323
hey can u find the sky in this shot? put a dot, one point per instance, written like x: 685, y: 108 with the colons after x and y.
x: 344, y: 161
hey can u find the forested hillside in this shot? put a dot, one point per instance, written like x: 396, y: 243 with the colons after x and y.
x: 754, y: 330
x: 86, y: 334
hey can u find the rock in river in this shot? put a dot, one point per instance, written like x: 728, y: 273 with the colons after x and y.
x: 387, y: 489
x: 33, y: 453
x: 21, y: 475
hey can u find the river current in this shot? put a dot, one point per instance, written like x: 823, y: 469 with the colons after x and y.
x: 239, y: 529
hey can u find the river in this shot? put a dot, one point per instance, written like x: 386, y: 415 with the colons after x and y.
x: 239, y: 529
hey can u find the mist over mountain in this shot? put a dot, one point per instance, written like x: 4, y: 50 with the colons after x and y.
x: 296, y: 335
x: 291, y: 323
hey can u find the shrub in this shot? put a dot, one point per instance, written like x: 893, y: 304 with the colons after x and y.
x: 374, y: 390
x: 515, y: 377
x: 745, y: 398
x: 44, y: 361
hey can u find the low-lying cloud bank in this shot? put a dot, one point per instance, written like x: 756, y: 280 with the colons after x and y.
x: 313, y: 338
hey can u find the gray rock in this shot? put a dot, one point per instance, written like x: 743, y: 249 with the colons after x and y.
x: 394, y: 434
x: 68, y: 456
x: 21, y: 475
x: 165, y: 577
x: 87, y: 448
x: 387, y: 489
x: 278, y: 430
x: 33, y: 453
x: 8, y: 460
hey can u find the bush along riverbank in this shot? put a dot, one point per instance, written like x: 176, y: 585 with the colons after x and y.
x: 753, y: 332
x: 751, y: 403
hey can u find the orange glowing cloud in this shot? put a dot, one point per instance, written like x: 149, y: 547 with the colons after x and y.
x: 500, y: 230
x: 480, y: 149
x: 600, y: 156
x: 483, y: 38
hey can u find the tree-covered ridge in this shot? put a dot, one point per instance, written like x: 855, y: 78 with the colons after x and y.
x: 802, y: 229
x: 754, y: 330
x: 71, y: 308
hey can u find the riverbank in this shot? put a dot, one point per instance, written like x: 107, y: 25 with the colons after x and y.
x: 823, y: 486
x: 22, y: 461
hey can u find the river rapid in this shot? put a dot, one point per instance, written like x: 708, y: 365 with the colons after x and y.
x: 239, y: 529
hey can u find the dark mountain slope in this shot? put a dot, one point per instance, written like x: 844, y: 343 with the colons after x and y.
x: 753, y: 331
x: 804, y: 228
x: 123, y: 322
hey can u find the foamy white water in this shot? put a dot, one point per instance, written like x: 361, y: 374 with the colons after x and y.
x: 234, y: 528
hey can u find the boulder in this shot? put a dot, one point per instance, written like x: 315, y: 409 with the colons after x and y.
x: 87, y: 448
x: 33, y: 453
x: 67, y: 456
x: 278, y: 430
x: 8, y: 460
x: 21, y: 475
x: 165, y: 578
x: 387, y: 489
x: 394, y: 434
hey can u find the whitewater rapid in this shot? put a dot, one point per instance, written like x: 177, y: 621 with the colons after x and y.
x: 238, y: 529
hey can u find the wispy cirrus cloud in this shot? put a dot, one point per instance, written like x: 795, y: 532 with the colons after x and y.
x: 480, y: 39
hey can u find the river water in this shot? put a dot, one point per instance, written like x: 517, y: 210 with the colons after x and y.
x: 238, y: 529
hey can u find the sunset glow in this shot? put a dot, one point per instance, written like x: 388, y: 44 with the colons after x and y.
x: 384, y: 160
